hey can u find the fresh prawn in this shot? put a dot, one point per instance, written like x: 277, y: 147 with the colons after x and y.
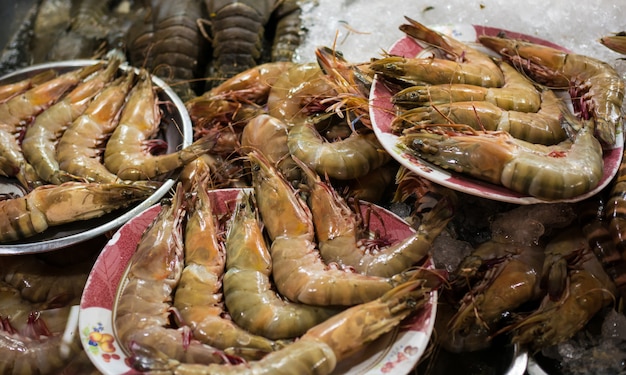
x: 142, y: 311
x: 79, y: 149
x: 615, y: 42
x: 577, y: 286
x: 42, y: 136
x: 18, y: 112
x: 337, y: 231
x: 298, y: 270
x: 320, y: 349
x: 249, y: 296
x: 199, y: 297
x: 596, y: 89
x: 10, y: 90
x: 517, y: 94
x: 52, y: 205
x: 345, y: 159
x: 562, y: 171
x: 542, y: 127
x: 126, y: 152
x: 462, y: 63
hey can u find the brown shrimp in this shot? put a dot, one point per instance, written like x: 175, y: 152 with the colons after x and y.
x: 320, y: 349
x: 79, y: 149
x: 127, y: 151
x: 596, y: 89
x: 199, y: 297
x: 462, y: 63
x: 249, y: 296
x: 615, y: 42
x: 543, y: 127
x: 52, y: 205
x: 141, y: 313
x: 298, y: 270
x: 42, y: 136
x: 337, y: 232
x: 517, y: 94
x: 10, y: 90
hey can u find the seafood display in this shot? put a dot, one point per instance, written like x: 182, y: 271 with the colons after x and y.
x: 232, y: 208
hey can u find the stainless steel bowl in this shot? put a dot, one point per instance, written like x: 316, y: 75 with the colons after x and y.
x: 178, y: 132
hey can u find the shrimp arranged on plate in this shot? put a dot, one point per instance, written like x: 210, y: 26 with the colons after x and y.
x: 42, y: 136
x: 249, y: 295
x: 517, y: 94
x: 298, y: 270
x: 127, y: 152
x: 596, y: 89
x: 320, y: 349
x: 79, y: 150
x: 199, y: 297
x: 561, y: 171
x: 462, y: 63
x: 142, y: 311
x: 52, y: 205
x: 543, y: 127
x: 337, y: 231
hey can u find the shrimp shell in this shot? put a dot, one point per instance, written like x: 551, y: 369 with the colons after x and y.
x: 298, y: 270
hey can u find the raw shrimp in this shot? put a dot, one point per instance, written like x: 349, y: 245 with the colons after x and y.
x: 517, y: 94
x: 79, y: 150
x: 37, y: 350
x: 127, y: 154
x: 543, y: 127
x: 10, y: 90
x: 17, y: 112
x: 198, y: 297
x: 462, y: 63
x: 52, y: 205
x: 298, y: 270
x: 337, y: 231
x: 141, y: 314
x: 597, y: 90
x: 41, y: 282
x: 249, y: 296
x: 320, y: 349
x: 345, y: 159
x: 41, y: 138
x: 554, y: 172
x: 577, y: 286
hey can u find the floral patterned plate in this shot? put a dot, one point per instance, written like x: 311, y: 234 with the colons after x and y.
x: 382, y: 113
x: 396, y: 352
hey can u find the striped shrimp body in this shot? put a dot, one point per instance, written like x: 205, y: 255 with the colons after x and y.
x: 352, y: 157
x: 198, y: 297
x: 597, y: 90
x: 249, y: 296
x: 42, y: 136
x: 561, y: 171
x: 298, y: 270
x: 544, y: 126
x: 337, y: 231
x: 127, y: 151
x: 39, y: 349
x: 615, y: 42
x: 462, y: 63
x: 142, y: 311
x: 52, y: 205
x: 320, y: 349
x: 78, y: 152
x: 517, y: 94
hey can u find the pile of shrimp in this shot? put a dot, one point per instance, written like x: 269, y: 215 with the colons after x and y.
x: 281, y: 281
x: 82, y: 143
x: 502, y: 120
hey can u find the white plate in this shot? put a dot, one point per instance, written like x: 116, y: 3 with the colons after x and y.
x: 382, y: 113
x: 177, y: 132
x: 397, y: 351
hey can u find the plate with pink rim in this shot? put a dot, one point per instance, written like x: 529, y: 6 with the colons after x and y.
x: 382, y: 112
x: 396, y: 352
